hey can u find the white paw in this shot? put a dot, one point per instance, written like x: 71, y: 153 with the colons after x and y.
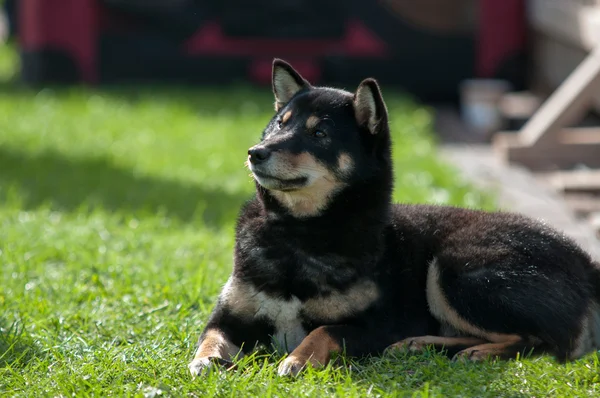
x: 199, y: 366
x: 204, y: 364
x: 291, y: 366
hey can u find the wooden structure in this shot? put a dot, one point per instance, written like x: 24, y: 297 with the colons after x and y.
x: 567, y: 61
x: 548, y: 141
x: 544, y: 143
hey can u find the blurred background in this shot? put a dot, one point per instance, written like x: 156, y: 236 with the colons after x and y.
x: 427, y: 47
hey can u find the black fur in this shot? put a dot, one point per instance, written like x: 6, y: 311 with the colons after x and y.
x: 501, y: 272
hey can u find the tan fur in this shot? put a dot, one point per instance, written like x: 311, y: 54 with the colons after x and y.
x: 422, y: 342
x: 284, y: 87
x: 244, y: 300
x: 239, y: 297
x: 355, y: 299
x: 485, y: 351
x: 444, y: 312
x: 483, y: 344
x: 309, y: 201
x: 316, y: 349
x: 286, y: 117
x: 312, y: 122
x: 477, y: 350
x: 216, y: 345
x: 345, y: 163
x: 365, y: 107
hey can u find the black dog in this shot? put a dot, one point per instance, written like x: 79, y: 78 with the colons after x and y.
x: 324, y: 262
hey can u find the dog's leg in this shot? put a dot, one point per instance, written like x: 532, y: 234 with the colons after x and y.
x: 439, y: 343
x: 316, y: 348
x: 215, y: 343
x: 504, y: 350
x: 215, y: 349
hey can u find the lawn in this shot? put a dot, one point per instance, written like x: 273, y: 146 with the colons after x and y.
x: 117, y: 208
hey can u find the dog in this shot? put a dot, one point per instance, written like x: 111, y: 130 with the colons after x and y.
x: 325, y: 263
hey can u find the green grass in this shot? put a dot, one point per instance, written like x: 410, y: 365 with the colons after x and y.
x: 117, y: 209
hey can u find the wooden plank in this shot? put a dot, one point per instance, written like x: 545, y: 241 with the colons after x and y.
x: 583, y: 204
x: 580, y: 135
x: 569, y: 101
x: 577, y: 23
x: 595, y: 221
x: 552, y: 62
x: 548, y: 157
x: 575, y: 180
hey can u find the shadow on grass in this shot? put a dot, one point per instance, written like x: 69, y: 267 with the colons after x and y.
x: 16, y: 347
x: 70, y: 184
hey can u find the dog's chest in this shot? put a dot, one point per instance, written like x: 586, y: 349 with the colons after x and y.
x: 285, y: 315
x: 288, y: 316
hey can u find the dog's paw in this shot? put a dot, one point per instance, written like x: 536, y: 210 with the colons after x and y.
x: 409, y: 345
x: 473, y: 355
x: 200, y: 366
x: 291, y: 366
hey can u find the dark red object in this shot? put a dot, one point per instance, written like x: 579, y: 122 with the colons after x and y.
x: 69, y: 26
x: 502, y: 34
x: 73, y: 27
x: 88, y: 41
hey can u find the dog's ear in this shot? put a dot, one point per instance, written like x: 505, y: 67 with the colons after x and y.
x: 286, y: 82
x: 369, y: 107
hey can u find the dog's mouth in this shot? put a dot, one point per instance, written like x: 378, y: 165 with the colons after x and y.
x: 281, y: 184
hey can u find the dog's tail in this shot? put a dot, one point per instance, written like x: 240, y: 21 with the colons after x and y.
x: 594, y: 319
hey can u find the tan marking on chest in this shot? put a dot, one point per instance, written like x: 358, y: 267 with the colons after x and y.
x: 338, y: 305
x: 244, y: 300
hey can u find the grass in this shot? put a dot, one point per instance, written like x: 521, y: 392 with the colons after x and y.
x: 117, y: 209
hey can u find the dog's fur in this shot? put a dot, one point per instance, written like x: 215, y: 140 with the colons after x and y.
x: 324, y: 261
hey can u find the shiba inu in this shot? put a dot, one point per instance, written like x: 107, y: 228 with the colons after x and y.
x: 324, y: 262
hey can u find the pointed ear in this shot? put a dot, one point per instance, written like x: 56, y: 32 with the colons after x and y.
x: 369, y: 107
x: 286, y: 82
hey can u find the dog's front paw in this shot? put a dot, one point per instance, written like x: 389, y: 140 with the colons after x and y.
x: 291, y: 366
x: 202, y: 365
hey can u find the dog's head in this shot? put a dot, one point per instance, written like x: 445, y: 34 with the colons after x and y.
x: 320, y: 141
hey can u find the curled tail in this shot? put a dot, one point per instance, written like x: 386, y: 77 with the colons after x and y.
x: 595, y: 310
x: 596, y: 279
x: 589, y: 335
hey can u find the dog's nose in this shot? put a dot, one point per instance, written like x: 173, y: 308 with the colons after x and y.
x: 258, y: 154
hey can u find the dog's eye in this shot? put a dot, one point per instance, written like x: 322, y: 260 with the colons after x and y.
x: 319, y: 134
